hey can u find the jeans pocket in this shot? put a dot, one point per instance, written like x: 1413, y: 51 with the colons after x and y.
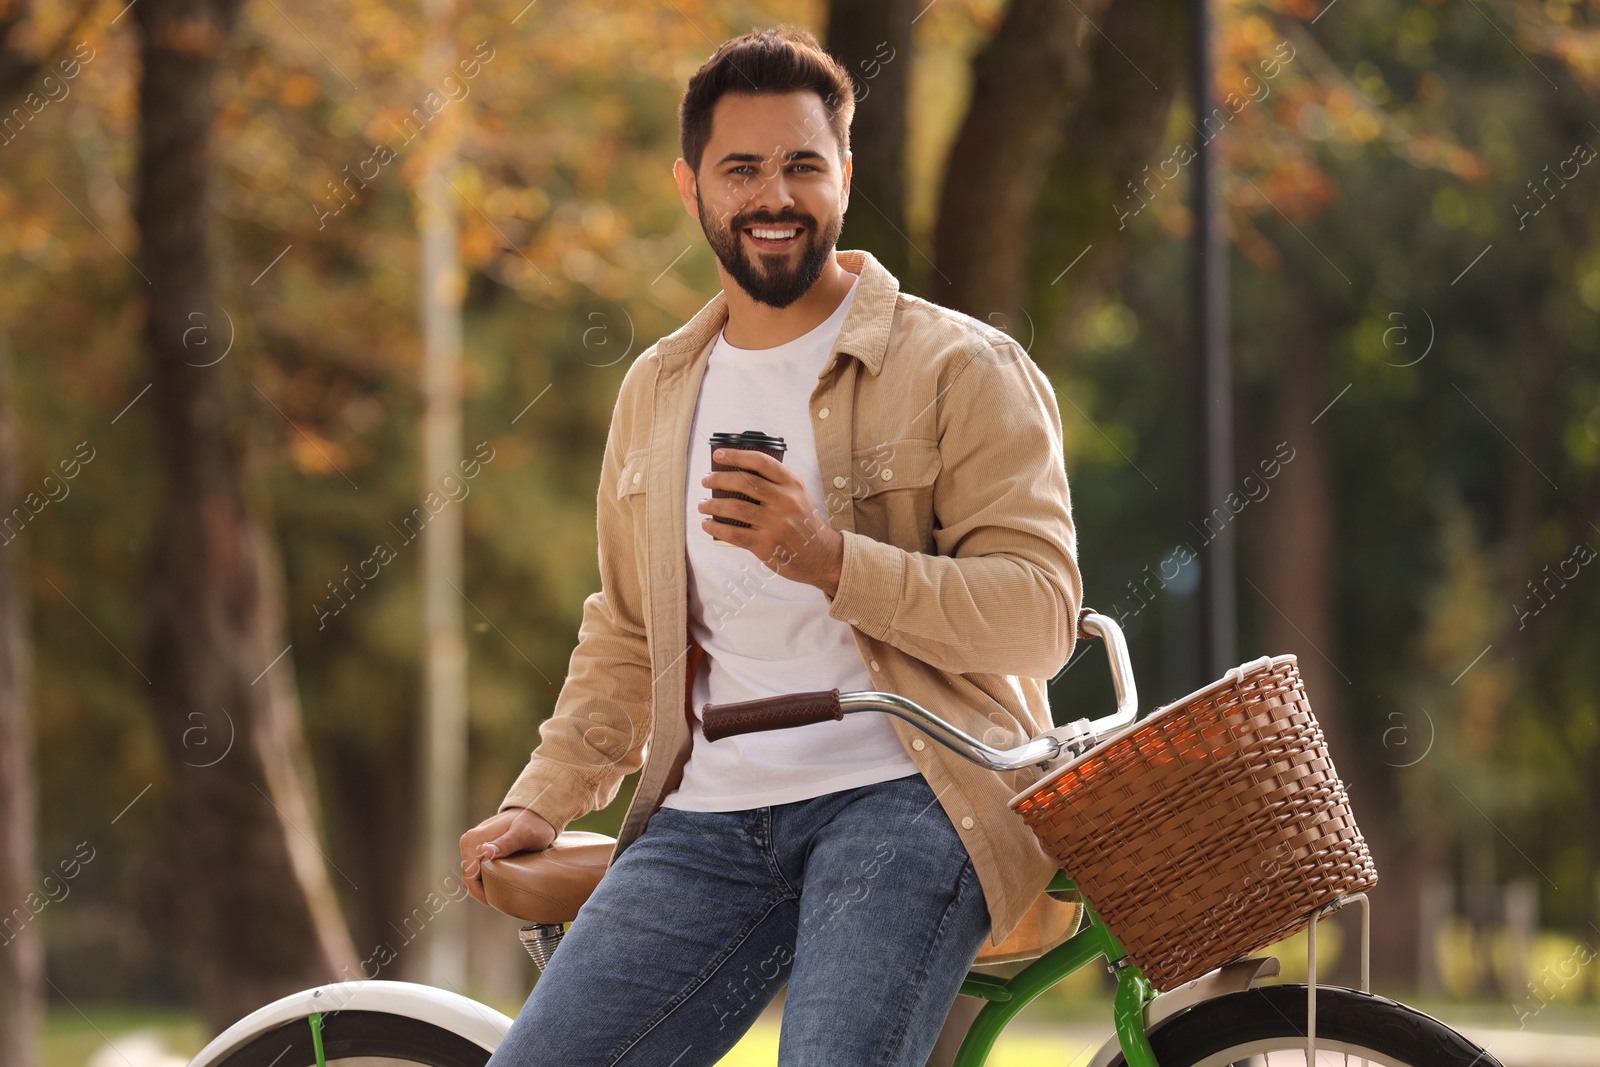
x: 967, y: 882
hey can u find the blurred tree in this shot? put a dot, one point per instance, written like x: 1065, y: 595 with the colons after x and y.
x: 444, y: 707
x: 1025, y: 82
x: 1401, y: 332
x: 21, y: 64
x: 1113, y: 138
x: 259, y: 918
x: 872, y: 38
x: 21, y: 896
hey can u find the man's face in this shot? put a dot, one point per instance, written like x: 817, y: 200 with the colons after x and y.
x: 771, y: 164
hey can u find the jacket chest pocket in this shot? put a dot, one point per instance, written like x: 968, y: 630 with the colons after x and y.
x: 892, y: 487
x: 631, y: 481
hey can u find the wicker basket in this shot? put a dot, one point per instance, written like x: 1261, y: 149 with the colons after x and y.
x: 1211, y: 828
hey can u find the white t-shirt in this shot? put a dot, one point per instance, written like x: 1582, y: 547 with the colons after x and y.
x: 764, y: 634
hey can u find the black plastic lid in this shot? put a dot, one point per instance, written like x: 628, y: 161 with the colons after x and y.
x: 753, y: 439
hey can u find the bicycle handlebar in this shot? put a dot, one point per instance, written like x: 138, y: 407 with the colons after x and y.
x: 1075, y: 738
x: 770, y: 713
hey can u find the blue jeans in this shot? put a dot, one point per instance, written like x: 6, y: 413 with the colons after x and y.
x: 863, y: 901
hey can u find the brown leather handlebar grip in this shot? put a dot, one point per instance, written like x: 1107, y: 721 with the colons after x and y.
x: 1083, y: 614
x: 769, y: 713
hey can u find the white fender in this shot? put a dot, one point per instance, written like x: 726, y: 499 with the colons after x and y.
x: 478, y: 1023
x: 1232, y: 977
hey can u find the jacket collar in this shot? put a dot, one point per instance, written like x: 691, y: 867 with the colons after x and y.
x: 864, y: 335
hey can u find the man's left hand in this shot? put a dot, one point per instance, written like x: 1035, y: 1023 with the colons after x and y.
x: 786, y: 531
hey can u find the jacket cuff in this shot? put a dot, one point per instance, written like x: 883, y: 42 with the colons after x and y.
x: 870, y: 581
x: 550, y: 791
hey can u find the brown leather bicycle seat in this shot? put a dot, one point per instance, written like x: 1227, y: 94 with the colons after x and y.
x: 548, y: 886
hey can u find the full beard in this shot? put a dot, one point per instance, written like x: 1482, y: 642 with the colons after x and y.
x: 782, y: 277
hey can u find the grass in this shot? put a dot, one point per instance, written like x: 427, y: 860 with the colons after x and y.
x: 71, y: 1037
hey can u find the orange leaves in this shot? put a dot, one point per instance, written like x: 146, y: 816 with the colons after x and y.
x: 1308, y: 99
x: 297, y: 90
x: 1551, y: 29
x: 1297, y: 187
x: 314, y: 454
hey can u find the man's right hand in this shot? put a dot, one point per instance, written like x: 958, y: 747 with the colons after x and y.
x: 501, y: 834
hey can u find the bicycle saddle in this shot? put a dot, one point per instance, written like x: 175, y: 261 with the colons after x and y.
x: 548, y: 886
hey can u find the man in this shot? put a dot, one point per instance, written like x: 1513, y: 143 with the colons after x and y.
x: 916, y: 538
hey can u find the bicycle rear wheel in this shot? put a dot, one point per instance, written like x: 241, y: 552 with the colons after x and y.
x: 1266, y: 1027
x: 374, y: 1038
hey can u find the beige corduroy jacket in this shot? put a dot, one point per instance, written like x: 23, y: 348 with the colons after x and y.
x: 941, y: 441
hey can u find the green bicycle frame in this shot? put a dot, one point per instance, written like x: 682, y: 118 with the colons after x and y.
x: 315, y: 1019
x: 1008, y: 996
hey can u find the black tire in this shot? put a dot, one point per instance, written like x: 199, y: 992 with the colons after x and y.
x: 358, y: 1033
x: 1259, y: 1020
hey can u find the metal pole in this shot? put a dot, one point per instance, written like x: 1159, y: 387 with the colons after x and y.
x: 1214, y: 421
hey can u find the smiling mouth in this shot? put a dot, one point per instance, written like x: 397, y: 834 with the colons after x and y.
x: 776, y: 239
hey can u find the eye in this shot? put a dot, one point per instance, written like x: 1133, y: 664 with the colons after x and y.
x: 745, y: 166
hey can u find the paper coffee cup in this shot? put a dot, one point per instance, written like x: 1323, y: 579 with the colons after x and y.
x: 754, y: 440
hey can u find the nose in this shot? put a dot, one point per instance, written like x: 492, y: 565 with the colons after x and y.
x: 768, y: 192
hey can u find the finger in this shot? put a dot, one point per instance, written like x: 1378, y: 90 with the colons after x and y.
x: 760, y: 484
x: 730, y: 507
x: 487, y: 830
x: 472, y: 878
x: 750, y: 485
x: 519, y: 838
x: 475, y: 887
x: 721, y: 531
x: 751, y: 460
x: 470, y: 851
x: 754, y: 514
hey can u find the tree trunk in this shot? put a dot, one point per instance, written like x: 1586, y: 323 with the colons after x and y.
x: 1025, y: 82
x: 1113, y: 139
x: 872, y: 38
x: 21, y: 943
x: 278, y: 733
x: 21, y: 948
x: 1296, y: 610
x: 444, y: 749
x: 244, y: 932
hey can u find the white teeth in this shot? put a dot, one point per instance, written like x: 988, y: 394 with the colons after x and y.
x: 774, y: 235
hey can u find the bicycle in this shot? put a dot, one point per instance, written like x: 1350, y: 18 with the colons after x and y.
x: 1210, y: 1010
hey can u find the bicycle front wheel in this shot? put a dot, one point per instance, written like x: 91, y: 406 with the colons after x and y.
x: 1266, y: 1027
x: 375, y: 1038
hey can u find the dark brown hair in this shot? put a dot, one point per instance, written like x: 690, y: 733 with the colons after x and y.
x: 782, y: 59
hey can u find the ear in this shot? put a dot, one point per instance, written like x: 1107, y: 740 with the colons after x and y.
x: 844, y: 189
x: 683, y: 174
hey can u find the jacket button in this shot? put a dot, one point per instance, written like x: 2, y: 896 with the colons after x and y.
x: 873, y: 664
x: 636, y: 476
x: 918, y: 744
x: 966, y: 822
x: 838, y: 483
x: 822, y: 413
x: 887, y: 474
x: 853, y: 622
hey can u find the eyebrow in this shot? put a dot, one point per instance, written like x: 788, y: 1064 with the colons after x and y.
x: 750, y: 157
